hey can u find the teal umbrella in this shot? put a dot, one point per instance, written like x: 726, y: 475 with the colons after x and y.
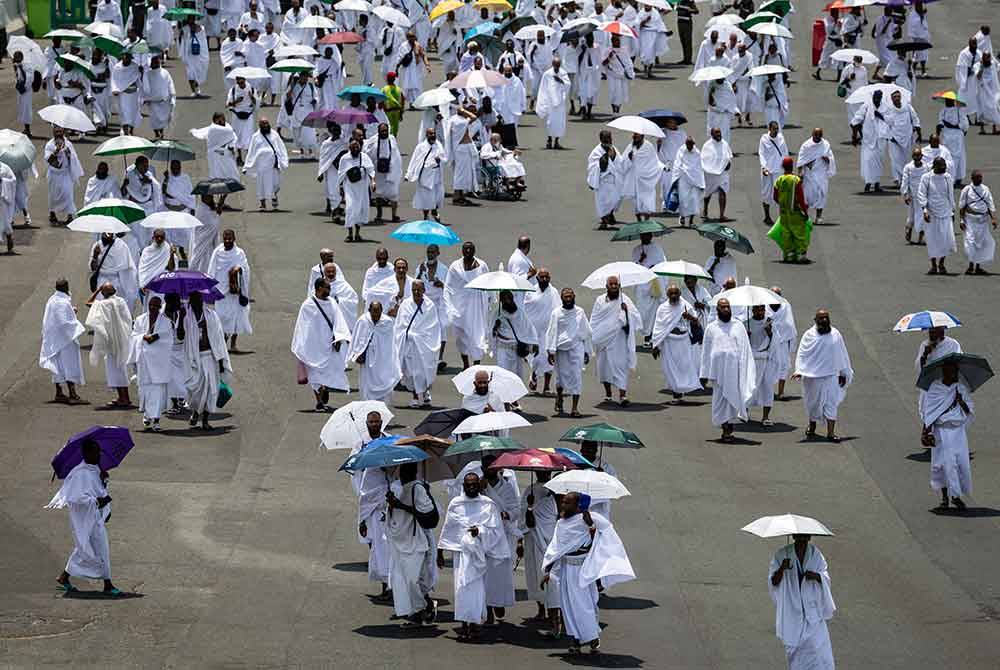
x: 481, y: 444
x: 363, y: 91
x: 425, y: 232
x: 733, y: 239
x: 181, y: 13
x: 632, y: 231
x: 170, y: 150
x: 605, y: 433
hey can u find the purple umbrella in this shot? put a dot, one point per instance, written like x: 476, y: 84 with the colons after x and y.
x: 316, y: 119
x: 321, y: 117
x: 114, y: 441
x: 182, y: 282
x: 212, y: 295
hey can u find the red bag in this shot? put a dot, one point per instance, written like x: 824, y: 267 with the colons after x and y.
x: 301, y: 373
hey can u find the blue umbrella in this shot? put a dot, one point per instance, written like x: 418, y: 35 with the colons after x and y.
x: 115, y: 442
x: 425, y: 232
x: 926, y: 320
x: 363, y: 91
x: 485, y: 28
x: 660, y: 116
x: 383, y: 453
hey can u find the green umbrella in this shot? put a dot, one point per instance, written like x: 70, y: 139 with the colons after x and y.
x: 76, y: 63
x: 482, y: 444
x: 125, y: 211
x: 759, y: 17
x: 605, y: 433
x: 779, y: 7
x: 733, y: 239
x: 122, y: 145
x: 170, y: 150
x: 140, y: 47
x: 180, y: 13
x: 16, y: 150
x: 632, y: 231
x: 109, y: 45
x: 975, y: 370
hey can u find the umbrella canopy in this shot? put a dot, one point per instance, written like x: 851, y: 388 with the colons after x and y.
x: 34, y: 57
x: 383, y: 453
x: 733, y: 239
x: 140, y: 47
x: 680, y: 269
x: 758, y: 17
x: 748, y: 296
x: 76, y: 63
x: 575, y: 457
x: 253, y: 75
x: 530, y: 32
x: 496, y: 5
x: 217, y: 186
x: 904, y: 46
x: 363, y: 91
x: 764, y: 70
x: 578, y: 32
x: 16, y: 151
x: 170, y: 150
x: 711, y: 73
x: 393, y: 16
x: 342, y: 37
x: 661, y: 116
x: 67, y: 116
x: 434, y: 98
x: 772, y: 29
x: 425, y: 232
x: 975, y: 370
x: 632, y: 231
x: 594, y: 483
x: 292, y: 65
x: 724, y: 31
x: 314, y: 21
x: 926, y: 320
x: 491, y: 421
x: 618, y: 28
x: 181, y: 13
x: 864, y: 94
x: 115, y: 442
x: 484, y: 28
x: 104, y: 28
x: 123, y: 145
x: 786, y: 524
x: 443, y: 422
x: 657, y: 4
x: 354, y: 5
x: 611, y: 436
x: 124, y: 211
x: 628, y: 273
x: 170, y: 221
x: 723, y: 20
x: 320, y: 117
x: 64, y: 34
x: 636, y: 124
x: 949, y: 95
x: 295, y: 51
x: 97, y: 223
x: 346, y: 428
x: 110, y: 44
x: 504, y: 383
x: 212, y: 295
x: 473, y: 79
x: 500, y: 280
x: 435, y: 468
x: 481, y: 444
x: 515, y: 25
x: 183, y: 282
x: 445, y: 7
x: 779, y: 7
x: 848, y: 56
x: 532, y: 460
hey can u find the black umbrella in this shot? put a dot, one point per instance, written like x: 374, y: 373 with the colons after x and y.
x: 442, y: 423
x: 577, y: 33
x: 217, y: 186
x: 975, y: 370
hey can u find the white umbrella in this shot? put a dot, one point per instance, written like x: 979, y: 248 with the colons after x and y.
x: 764, y: 70
x: 491, y: 421
x: 123, y: 144
x: 657, y: 4
x: 748, y: 296
x: 500, y: 281
x: 170, y: 221
x: 848, y: 56
x: 254, y: 75
x: 354, y: 5
x: 864, y: 94
x: 579, y: 23
x: 636, y: 124
x: 503, y: 382
x: 34, y: 57
x: 772, y: 29
x: 710, y: 73
x: 725, y: 30
x: 317, y: 21
x: 680, y: 269
x: 596, y: 484
x: 105, y: 28
x: 394, y: 16
x: 16, y: 150
x: 628, y: 273
x: 473, y: 79
x: 531, y: 32
x: 724, y: 20
x: 295, y: 51
x: 67, y: 116
x: 786, y: 524
x: 346, y: 427
x: 435, y: 97
x: 97, y: 223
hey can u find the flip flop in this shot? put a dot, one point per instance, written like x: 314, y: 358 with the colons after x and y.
x: 67, y: 587
x: 113, y: 593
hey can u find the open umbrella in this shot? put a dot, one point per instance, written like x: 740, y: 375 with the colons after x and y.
x: 596, y: 484
x: 217, y: 186
x: 632, y: 231
x: 76, y: 63
x: 758, y: 17
x: 532, y: 460
x: 504, y: 383
x: 723, y: 20
x: 904, y: 46
x: 949, y: 95
x: 764, y: 70
x: 771, y: 29
x: 363, y: 91
x: 445, y: 7
x: 575, y: 457
x: 292, y: 65
x: 618, y: 28
x: 342, y: 37
x: 124, y: 145
x: 605, y: 433
x: 425, y: 232
x: 710, y: 73
x: 442, y: 423
x: 170, y: 150
x: 515, y: 24
x: 125, y: 211
x: 495, y: 5
x: 292, y: 51
x: 636, y: 124
x: 182, y: 282
x: 64, y: 34
x: 530, y: 32
x: 848, y: 56
x: 316, y: 21
x: 393, y: 16
x: 724, y: 31
x: 346, y: 428
x: 435, y: 97
x: 97, y: 223
x: 111, y: 45
x: 181, y: 13
x: 779, y: 7
x: 104, y: 28
x: 16, y: 151
x: 660, y: 116
x: 34, y: 57
x: 975, y: 370
x: 926, y: 320
x: 849, y: 4
x: 733, y: 239
x: 68, y: 117
x: 212, y: 295
x: 500, y: 280
x: 661, y: 5
x: 748, y: 296
x: 169, y: 220
x: 481, y: 444
x: 484, y: 28
x: 491, y: 421
x: 255, y: 76
x: 383, y: 454
x: 473, y: 79
x: 628, y: 273
x: 680, y: 269
x: 864, y: 94
x: 140, y: 47
x: 435, y: 468
x: 115, y: 442
x: 786, y: 524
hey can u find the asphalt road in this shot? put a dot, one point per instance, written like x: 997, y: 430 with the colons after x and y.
x: 242, y: 542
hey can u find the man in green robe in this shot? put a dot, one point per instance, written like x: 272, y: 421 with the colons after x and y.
x: 792, y: 230
x: 394, y: 102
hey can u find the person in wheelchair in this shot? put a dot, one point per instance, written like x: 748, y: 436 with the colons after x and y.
x: 499, y: 160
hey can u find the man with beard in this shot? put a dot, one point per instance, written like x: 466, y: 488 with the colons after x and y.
x: 126, y: 83
x: 823, y: 365
x: 426, y: 170
x: 417, y: 339
x: 672, y: 344
x: 504, y: 492
x: 541, y: 512
x: 771, y: 150
x: 373, y: 350
x: 152, y: 342
x: 230, y: 267
x: 111, y: 321
x: 356, y: 175
x: 317, y: 343
x: 205, y: 358
x: 568, y: 342
x: 614, y: 321
x: 383, y: 151
x: 413, y: 571
x: 158, y: 92
x: 267, y: 157
x: 514, y: 336
x: 688, y: 177
x: 177, y: 190
x: 538, y: 307
x: 976, y: 214
x: 716, y: 162
x: 553, y: 95
x: 641, y: 170
x: 63, y: 171
x: 606, y: 178
x: 141, y: 186
x: 727, y: 361
x: 101, y: 185
x: 428, y: 272
x: 817, y: 164
x: 467, y: 307
x: 870, y: 129
x: 111, y: 262
x: 936, y: 198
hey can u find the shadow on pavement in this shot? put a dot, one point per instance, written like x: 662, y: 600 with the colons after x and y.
x: 600, y: 660
x: 100, y: 595
x: 391, y: 631
x: 356, y: 566
x: 920, y: 456
x: 969, y: 513
x: 626, y: 603
x: 756, y: 427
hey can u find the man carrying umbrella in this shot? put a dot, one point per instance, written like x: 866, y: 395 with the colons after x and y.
x: 946, y: 411
x: 60, y: 352
x: 64, y: 170
x: 804, y: 603
x: 111, y: 260
x: 541, y: 512
x: 141, y: 186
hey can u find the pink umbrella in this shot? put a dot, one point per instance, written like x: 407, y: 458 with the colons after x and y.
x: 471, y: 79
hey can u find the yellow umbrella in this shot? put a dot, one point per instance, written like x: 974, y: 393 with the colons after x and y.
x: 443, y: 8
x: 498, y: 5
x: 949, y: 95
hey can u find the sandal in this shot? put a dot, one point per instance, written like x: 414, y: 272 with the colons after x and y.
x: 833, y: 438
x: 574, y: 649
x: 113, y: 592
x: 66, y: 586
x: 575, y: 415
x: 959, y: 504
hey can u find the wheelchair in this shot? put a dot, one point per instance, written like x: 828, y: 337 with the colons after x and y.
x: 492, y: 185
